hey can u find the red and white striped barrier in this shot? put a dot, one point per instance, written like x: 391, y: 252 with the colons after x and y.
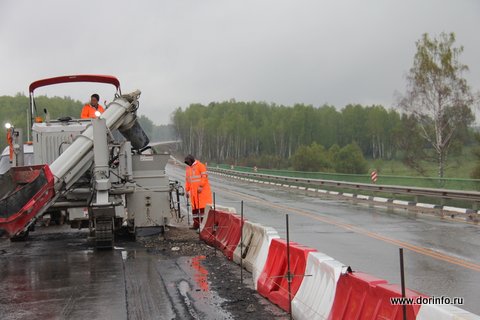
x: 272, y: 282
x: 322, y: 288
x: 220, y: 208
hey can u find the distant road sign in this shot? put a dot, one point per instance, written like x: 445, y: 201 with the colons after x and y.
x: 374, y: 176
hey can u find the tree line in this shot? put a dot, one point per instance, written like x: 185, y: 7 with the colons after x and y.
x: 13, y: 109
x: 270, y: 134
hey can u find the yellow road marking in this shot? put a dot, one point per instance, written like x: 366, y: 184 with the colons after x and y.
x: 418, y: 249
x: 406, y: 245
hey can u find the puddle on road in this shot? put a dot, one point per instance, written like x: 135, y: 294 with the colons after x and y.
x: 195, y: 290
x: 201, y: 274
x: 185, y: 280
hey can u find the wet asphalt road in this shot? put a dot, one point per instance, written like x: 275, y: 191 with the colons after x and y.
x: 441, y: 257
x: 57, y: 275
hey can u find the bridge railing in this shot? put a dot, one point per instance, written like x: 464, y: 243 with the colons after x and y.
x: 406, y: 181
x: 442, y: 193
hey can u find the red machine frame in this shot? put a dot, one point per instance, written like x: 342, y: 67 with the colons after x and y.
x: 68, y: 79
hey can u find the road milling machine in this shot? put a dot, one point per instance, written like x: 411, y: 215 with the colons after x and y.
x: 100, y: 172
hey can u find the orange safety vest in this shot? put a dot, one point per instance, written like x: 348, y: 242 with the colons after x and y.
x: 88, y: 112
x: 197, y: 176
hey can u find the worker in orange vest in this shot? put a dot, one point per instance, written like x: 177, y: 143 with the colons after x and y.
x: 197, y: 188
x: 88, y: 111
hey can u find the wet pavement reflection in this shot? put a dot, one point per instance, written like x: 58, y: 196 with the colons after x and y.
x: 57, y: 276
x: 200, y: 276
x: 38, y: 282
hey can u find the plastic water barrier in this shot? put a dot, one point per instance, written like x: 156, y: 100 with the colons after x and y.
x: 229, y: 235
x: 222, y: 230
x: 218, y: 207
x: 256, y: 243
x: 362, y: 296
x: 314, y: 299
x: 272, y: 282
x: 321, y: 287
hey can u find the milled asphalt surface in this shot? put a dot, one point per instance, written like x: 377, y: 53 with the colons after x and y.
x: 441, y: 257
x: 56, y: 274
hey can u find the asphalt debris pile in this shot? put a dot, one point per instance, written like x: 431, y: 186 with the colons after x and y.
x: 177, y: 242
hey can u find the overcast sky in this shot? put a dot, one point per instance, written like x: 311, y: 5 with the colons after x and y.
x: 181, y: 52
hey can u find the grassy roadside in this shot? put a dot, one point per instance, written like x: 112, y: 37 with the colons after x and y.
x: 458, y: 166
x: 394, y: 172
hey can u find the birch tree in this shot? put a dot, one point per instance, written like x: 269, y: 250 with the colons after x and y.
x: 437, y: 94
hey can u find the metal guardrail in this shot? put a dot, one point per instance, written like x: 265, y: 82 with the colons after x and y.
x: 412, y: 191
x: 394, y: 180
